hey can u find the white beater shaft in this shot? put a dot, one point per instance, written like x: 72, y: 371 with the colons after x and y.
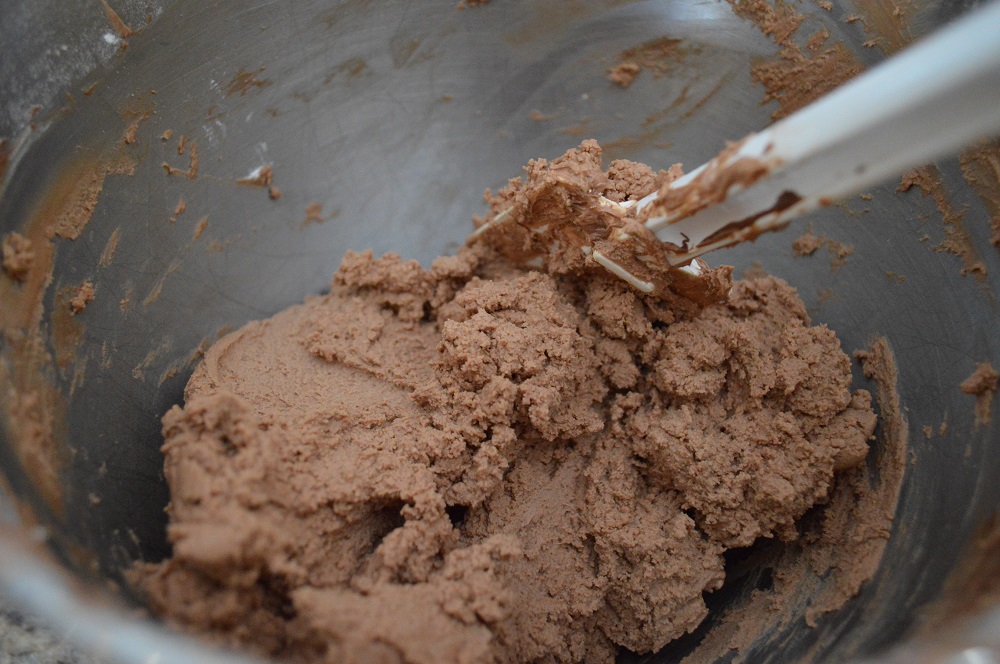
x: 930, y: 100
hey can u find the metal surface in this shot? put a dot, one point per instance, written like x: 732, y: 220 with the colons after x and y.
x: 932, y: 100
x: 394, y: 115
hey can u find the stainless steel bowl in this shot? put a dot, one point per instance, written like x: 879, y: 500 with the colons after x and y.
x: 393, y: 116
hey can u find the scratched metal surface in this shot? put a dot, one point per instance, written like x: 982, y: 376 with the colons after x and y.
x: 393, y: 116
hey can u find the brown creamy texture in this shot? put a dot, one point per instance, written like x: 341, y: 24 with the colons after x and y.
x: 710, y: 187
x: 556, y: 220
x: 796, y: 76
x: 981, y: 168
x: 888, y: 22
x: 623, y: 74
x: 809, y: 243
x: 657, y: 55
x: 485, y: 462
x: 956, y: 240
x: 38, y: 345
x: 839, y: 548
x: 982, y: 384
x: 82, y: 296
x: 17, y: 256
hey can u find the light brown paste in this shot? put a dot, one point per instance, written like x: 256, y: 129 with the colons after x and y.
x: 809, y: 243
x: 481, y: 461
x: 18, y: 255
x: 982, y: 384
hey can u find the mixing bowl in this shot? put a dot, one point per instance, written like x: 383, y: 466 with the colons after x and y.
x: 381, y: 123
